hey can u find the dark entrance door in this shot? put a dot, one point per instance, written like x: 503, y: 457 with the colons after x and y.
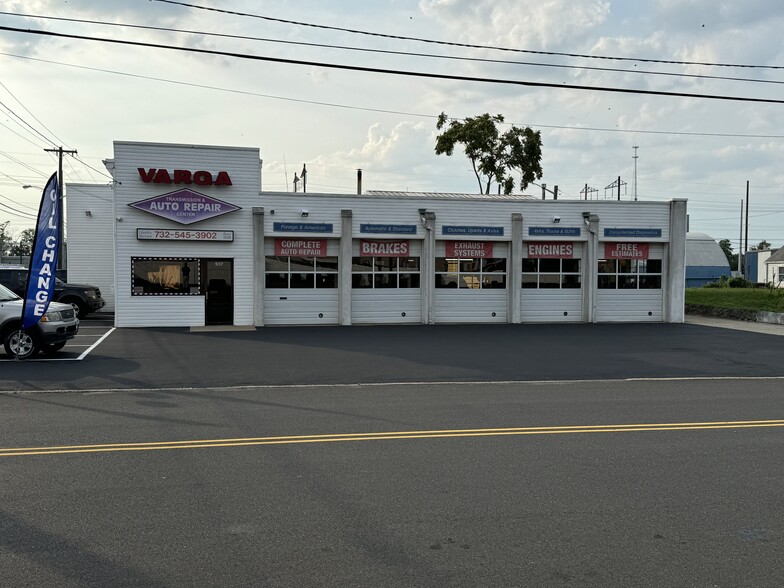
x: 219, y: 294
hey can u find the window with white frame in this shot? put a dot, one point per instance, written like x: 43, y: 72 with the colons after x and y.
x: 630, y: 274
x: 385, y: 272
x: 283, y: 271
x: 551, y: 273
x: 473, y: 274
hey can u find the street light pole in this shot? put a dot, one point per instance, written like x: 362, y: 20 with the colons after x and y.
x: 60, y: 152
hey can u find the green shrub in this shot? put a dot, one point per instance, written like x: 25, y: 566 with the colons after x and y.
x: 739, y: 283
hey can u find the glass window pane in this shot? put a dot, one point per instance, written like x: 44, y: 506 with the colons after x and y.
x: 493, y: 281
x: 469, y: 281
x: 409, y: 281
x: 442, y: 265
x: 165, y: 276
x: 361, y: 280
x: 329, y: 280
x: 654, y: 266
x: 625, y: 266
x: 470, y: 265
x: 570, y: 281
x: 607, y: 281
x: 302, y: 264
x: 446, y: 280
x: 361, y: 264
x: 549, y: 281
x: 570, y: 266
x: 549, y: 266
x: 408, y: 263
x: 276, y: 280
x: 649, y: 282
x: 326, y: 264
x: 607, y: 266
x: 385, y: 280
x: 276, y: 264
x: 494, y: 265
x: 385, y: 264
x: 627, y: 282
x: 529, y: 280
x: 299, y: 280
x: 530, y: 265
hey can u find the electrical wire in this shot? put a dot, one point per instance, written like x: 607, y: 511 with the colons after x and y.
x: 397, y: 72
x: 467, y: 45
x: 391, y: 52
x: 379, y: 110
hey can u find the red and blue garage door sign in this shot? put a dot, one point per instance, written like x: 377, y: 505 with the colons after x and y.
x: 469, y: 249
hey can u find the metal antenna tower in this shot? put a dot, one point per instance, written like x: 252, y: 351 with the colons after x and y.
x: 635, y: 157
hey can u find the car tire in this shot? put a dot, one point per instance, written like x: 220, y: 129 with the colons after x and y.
x: 79, y: 307
x: 21, y: 344
x: 53, y: 348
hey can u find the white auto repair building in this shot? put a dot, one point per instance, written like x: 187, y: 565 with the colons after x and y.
x: 186, y: 237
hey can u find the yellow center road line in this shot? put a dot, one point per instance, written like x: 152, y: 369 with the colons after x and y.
x: 384, y: 436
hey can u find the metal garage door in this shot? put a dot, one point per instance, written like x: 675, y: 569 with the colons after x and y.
x: 552, y: 282
x: 630, y: 284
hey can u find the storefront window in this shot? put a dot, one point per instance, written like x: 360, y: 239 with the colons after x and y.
x: 472, y: 274
x: 630, y: 274
x: 301, y: 272
x: 385, y: 272
x: 165, y: 276
x: 551, y: 273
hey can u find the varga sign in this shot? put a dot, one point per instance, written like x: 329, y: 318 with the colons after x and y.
x: 183, y: 176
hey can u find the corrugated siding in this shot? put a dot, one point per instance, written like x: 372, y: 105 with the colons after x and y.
x: 386, y: 306
x: 91, y: 238
x: 470, y: 306
x: 629, y: 305
x: 551, y: 305
x: 242, y: 166
x: 295, y: 306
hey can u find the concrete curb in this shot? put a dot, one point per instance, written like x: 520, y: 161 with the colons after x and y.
x: 738, y: 314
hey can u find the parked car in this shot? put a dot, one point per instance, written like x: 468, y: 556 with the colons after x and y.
x: 84, y: 298
x: 52, y: 332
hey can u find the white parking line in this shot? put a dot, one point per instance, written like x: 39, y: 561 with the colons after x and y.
x: 94, y: 345
x: 80, y: 358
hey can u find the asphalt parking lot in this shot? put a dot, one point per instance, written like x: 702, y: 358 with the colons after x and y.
x: 179, y: 357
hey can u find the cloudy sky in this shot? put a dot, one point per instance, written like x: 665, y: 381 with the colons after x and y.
x: 85, y: 94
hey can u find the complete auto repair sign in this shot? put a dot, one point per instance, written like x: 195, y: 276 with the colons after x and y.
x: 301, y: 247
x: 626, y: 251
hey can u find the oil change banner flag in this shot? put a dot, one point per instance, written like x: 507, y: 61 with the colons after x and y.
x: 43, y: 262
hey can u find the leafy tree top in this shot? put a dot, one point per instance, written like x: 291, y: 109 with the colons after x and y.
x: 494, y: 156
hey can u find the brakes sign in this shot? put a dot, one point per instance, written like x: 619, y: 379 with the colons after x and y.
x: 383, y: 248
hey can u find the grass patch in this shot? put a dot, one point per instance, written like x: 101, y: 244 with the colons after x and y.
x: 741, y: 298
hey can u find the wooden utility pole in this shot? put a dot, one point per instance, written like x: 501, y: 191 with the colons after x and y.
x: 60, y: 151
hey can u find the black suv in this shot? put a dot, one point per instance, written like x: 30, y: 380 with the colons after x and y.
x: 82, y: 297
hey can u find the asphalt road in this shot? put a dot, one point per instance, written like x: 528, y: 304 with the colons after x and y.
x: 232, y: 459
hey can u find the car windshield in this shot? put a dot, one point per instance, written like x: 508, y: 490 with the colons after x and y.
x: 6, y: 294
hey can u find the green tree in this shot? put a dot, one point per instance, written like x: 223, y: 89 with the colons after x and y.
x: 494, y: 156
x: 24, y: 244
x: 763, y: 245
x: 726, y: 247
x: 6, y: 238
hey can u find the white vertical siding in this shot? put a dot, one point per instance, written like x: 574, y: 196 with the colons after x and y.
x: 90, y: 238
x: 242, y: 166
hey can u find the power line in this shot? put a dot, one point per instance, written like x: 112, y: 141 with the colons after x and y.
x: 453, y: 44
x: 377, y: 110
x: 36, y: 131
x: 391, y: 52
x: 397, y: 72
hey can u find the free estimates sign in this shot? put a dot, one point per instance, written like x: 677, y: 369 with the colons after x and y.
x: 626, y: 251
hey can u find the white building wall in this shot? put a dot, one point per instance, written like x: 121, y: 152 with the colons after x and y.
x: 90, y: 237
x: 242, y: 165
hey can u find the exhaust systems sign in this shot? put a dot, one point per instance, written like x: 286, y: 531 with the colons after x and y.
x: 184, y: 206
